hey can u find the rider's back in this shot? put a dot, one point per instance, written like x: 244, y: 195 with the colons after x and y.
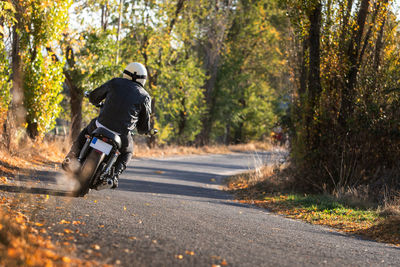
x: 126, y: 102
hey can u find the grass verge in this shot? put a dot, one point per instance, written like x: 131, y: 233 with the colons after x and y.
x: 270, y: 188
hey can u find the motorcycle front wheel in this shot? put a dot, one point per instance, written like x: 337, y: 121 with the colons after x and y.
x: 87, y: 171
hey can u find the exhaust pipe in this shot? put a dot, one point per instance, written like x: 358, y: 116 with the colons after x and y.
x: 107, y: 184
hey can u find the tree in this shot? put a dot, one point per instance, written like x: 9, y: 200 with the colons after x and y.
x: 249, y: 92
x: 216, y: 23
x: 37, y: 24
x: 6, y: 19
x: 341, y: 116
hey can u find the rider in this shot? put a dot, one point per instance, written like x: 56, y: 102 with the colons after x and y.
x: 127, y: 105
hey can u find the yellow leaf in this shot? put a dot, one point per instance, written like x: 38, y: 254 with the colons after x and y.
x: 64, y: 222
x: 96, y: 247
x: 66, y: 259
x: 12, y: 252
x: 180, y: 257
x: 67, y: 231
x: 191, y: 253
x: 8, y: 6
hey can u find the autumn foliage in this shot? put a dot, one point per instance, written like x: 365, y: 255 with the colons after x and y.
x: 345, y: 112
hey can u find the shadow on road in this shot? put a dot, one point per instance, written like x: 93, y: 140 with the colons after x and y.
x: 28, y: 183
x: 35, y: 190
x: 170, y: 189
x: 174, y: 174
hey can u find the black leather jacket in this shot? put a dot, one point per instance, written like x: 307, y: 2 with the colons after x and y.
x: 127, y: 105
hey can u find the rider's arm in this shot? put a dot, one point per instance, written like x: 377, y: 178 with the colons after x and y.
x: 98, y: 94
x: 143, y: 125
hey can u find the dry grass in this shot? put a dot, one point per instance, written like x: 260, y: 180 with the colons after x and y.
x: 32, y: 156
x: 141, y: 150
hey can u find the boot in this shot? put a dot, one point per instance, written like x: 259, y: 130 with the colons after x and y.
x: 119, y: 168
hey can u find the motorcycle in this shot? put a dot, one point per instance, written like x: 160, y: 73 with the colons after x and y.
x: 96, y: 160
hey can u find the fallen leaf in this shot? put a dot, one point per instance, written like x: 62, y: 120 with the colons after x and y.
x: 64, y: 222
x: 76, y: 222
x: 188, y: 252
x: 96, y: 247
x: 12, y: 252
x: 132, y: 238
x: 159, y: 172
x: 38, y: 224
x: 180, y: 257
x: 68, y: 231
x: 124, y: 208
x: 66, y: 259
x: 224, y: 263
x: 101, y: 226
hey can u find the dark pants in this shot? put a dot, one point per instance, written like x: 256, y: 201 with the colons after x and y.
x: 126, y: 146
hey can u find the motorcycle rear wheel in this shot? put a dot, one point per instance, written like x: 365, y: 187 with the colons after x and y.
x: 88, y: 171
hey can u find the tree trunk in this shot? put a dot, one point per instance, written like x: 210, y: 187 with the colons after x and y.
x: 182, y: 121
x: 76, y: 94
x: 314, y: 79
x: 178, y: 9
x: 379, y: 42
x: 76, y: 110
x: 16, y: 112
x: 212, y: 49
x: 104, y: 16
x: 121, y: 4
x: 353, y: 56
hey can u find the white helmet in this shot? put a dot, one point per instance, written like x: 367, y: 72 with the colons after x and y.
x: 136, y: 72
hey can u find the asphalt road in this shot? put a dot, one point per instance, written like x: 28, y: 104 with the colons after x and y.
x: 173, y: 212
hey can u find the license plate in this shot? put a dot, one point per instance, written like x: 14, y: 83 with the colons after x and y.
x: 101, y: 146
